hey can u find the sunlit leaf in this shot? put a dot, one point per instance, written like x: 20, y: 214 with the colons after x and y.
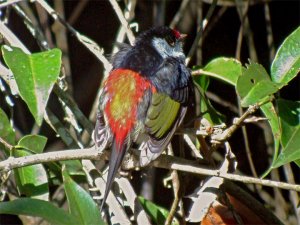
x: 33, y: 143
x: 261, y: 90
x: 37, y: 208
x: 35, y: 75
x: 252, y: 75
x: 286, y: 64
x: 225, y: 69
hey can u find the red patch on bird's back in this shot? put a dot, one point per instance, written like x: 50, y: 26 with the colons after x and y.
x: 176, y: 33
x: 125, y: 90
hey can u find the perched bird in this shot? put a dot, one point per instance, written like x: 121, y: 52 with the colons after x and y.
x: 146, y: 94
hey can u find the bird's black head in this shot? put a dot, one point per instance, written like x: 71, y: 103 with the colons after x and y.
x: 166, y: 41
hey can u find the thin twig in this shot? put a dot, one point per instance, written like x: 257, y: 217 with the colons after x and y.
x: 231, y: 3
x: 237, y: 123
x: 200, y: 31
x: 77, y: 11
x: 123, y: 21
x: 6, y: 144
x: 9, y: 2
x: 179, y: 13
x: 87, y: 42
x: 294, y: 197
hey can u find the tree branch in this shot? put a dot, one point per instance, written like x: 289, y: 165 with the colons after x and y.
x: 164, y: 161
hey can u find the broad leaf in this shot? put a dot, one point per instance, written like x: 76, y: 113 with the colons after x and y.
x: 289, y: 112
x: 33, y: 143
x: 156, y: 213
x: 225, y: 69
x: 37, y: 208
x: 252, y: 75
x: 261, y: 90
x: 35, y: 75
x: 6, y: 131
x: 81, y: 205
x: 286, y: 64
x: 32, y: 181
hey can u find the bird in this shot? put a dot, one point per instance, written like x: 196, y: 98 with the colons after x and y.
x: 145, y: 96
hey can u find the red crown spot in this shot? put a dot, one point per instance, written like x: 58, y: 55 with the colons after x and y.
x: 176, y: 33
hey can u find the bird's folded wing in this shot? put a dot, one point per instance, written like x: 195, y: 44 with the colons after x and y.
x: 163, y: 118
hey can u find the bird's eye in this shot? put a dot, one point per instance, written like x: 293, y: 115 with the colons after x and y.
x: 170, y: 41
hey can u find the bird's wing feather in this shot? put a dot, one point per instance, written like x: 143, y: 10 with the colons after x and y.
x: 167, y: 107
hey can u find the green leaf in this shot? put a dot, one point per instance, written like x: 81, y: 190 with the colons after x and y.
x: 261, y: 90
x: 6, y: 131
x: 225, y: 69
x: 33, y: 143
x: 35, y: 76
x: 292, y: 150
x: 270, y: 113
x: 207, y: 111
x: 74, y: 167
x: 81, y: 205
x: 32, y: 181
x: 157, y: 213
x: 289, y: 112
x: 38, y: 208
x: 252, y: 75
x: 202, y: 81
x: 286, y: 64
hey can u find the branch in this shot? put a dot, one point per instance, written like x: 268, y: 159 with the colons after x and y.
x: 87, y: 42
x: 123, y: 21
x: 237, y: 123
x: 164, y: 161
x: 90, y: 153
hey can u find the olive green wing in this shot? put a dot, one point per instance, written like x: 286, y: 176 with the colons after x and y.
x: 163, y: 117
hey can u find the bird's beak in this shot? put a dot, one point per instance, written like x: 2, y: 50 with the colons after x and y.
x: 182, y: 37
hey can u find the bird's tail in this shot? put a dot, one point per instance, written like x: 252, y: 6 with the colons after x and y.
x: 117, y: 155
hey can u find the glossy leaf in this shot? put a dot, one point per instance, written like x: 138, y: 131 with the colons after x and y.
x: 35, y: 76
x: 33, y: 143
x: 81, y: 204
x: 32, y: 181
x: 156, y: 213
x: 286, y: 64
x: 37, y: 208
x: 289, y: 112
x: 252, y: 75
x: 225, y: 69
x: 6, y: 131
x: 261, y: 90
